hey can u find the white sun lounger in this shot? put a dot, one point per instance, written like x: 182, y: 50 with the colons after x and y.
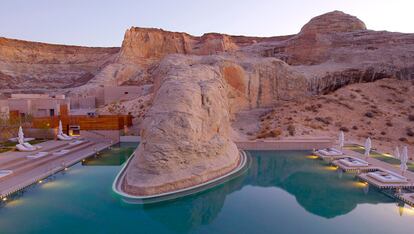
x: 28, y: 145
x: 61, y: 152
x: 77, y: 142
x: 15, y: 139
x: 23, y: 148
x: 386, y: 176
x: 38, y: 155
x: 64, y: 138
x: 4, y: 173
x: 71, y: 137
x: 330, y: 152
x: 353, y: 162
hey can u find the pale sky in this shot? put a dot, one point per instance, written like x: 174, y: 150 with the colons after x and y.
x: 103, y: 22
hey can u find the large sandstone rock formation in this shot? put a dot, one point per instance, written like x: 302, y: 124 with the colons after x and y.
x: 185, y: 140
x: 336, y: 49
x: 186, y: 132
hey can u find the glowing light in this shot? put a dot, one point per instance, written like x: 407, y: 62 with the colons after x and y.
x: 312, y: 156
x: 66, y: 168
x: 331, y: 168
x: 4, y: 199
x: 360, y: 184
x: 40, y: 181
x: 52, y: 184
x: 406, y: 210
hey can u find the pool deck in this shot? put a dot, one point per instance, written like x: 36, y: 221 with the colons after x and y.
x: 407, y: 198
x: 354, y: 169
x: 380, y: 164
x: 365, y: 177
x: 28, y: 171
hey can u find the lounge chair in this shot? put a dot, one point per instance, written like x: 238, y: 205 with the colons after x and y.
x: 77, y: 142
x: 15, y: 139
x: 21, y: 147
x: 386, y: 176
x: 28, y: 145
x: 4, y: 173
x: 61, y: 152
x: 38, y: 155
x: 71, y: 137
x: 330, y: 152
x: 353, y: 162
x: 64, y: 138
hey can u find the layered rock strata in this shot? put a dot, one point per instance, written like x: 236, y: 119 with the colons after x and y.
x: 31, y: 65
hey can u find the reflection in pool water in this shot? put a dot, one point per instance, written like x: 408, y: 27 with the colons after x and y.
x: 283, y: 192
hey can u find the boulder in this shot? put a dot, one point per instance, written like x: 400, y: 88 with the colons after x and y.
x: 185, y: 135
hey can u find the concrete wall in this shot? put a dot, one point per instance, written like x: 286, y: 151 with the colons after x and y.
x: 4, y: 109
x: 130, y: 138
x: 51, y: 134
x: 25, y: 96
x: 38, y: 107
x: 40, y: 133
x: 113, y: 135
x: 122, y: 93
x: 88, y: 102
x: 288, y: 144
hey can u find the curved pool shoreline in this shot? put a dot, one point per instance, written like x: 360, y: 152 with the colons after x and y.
x: 116, y: 186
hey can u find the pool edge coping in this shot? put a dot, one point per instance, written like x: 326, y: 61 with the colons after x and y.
x: 203, y: 186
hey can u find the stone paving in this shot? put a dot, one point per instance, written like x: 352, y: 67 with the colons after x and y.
x: 51, y: 165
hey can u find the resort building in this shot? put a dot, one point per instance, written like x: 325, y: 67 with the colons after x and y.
x: 4, y: 109
x: 37, y: 105
x: 83, y: 105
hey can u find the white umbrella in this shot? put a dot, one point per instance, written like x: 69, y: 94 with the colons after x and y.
x: 20, y: 135
x: 341, y: 139
x: 397, y: 153
x: 367, y: 146
x: 404, y: 159
x: 60, y: 129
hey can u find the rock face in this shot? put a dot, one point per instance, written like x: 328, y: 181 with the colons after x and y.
x: 186, y: 134
x: 333, y: 22
x: 336, y: 49
x: 146, y: 45
x: 38, y: 65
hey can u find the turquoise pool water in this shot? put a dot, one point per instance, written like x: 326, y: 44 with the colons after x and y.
x: 282, y: 192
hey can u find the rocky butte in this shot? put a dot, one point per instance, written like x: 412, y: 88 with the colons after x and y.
x: 207, y: 91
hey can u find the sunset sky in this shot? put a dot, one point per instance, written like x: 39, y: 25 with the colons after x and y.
x: 103, y: 23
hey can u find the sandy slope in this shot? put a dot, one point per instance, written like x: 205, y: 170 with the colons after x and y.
x: 379, y: 110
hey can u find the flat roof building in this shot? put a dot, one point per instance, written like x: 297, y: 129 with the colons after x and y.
x: 37, y: 105
x: 4, y: 109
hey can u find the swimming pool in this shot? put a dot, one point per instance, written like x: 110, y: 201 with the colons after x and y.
x: 282, y: 192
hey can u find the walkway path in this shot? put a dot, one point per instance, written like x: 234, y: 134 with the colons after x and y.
x: 379, y: 163
x: 35, y: 171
